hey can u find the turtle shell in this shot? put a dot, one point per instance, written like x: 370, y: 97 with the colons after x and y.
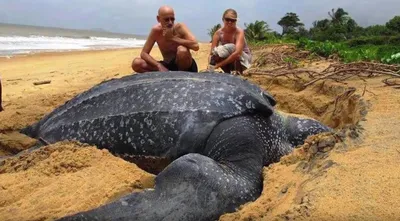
x: 164, y: 114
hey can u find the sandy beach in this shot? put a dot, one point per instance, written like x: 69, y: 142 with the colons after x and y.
x: 354, y: 179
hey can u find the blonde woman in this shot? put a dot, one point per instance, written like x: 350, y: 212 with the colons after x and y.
x: 229, y: 49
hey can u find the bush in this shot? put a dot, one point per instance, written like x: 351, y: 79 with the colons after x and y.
x: 388, y: 53
x: 394, y: 40
x: 375, y: 40
x: 324, y: 49
x: 393, y: 59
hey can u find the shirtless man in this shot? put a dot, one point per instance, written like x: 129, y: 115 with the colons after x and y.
x: 174, y: 41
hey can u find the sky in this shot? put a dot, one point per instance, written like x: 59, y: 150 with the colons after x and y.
x: 137, y: 16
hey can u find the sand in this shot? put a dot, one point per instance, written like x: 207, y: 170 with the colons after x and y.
x: 351, y: 175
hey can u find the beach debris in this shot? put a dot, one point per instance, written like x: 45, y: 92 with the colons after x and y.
x: 15, y: 79
x: 41, y: 82
x: 337, y: 72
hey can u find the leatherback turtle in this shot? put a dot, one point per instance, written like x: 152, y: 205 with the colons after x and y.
x: 218, y: 129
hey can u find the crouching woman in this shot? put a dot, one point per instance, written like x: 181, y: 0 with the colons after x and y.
x: 229, y: 49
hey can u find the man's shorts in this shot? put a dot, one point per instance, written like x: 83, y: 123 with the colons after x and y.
x: 172, y: 66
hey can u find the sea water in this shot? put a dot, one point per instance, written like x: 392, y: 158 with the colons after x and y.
x: 21, y: 39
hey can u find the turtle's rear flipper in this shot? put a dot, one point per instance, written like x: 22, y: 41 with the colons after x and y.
x: 193, y: 187
x: 198, y: 187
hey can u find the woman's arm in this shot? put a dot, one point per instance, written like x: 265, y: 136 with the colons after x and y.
x: 214, y: 43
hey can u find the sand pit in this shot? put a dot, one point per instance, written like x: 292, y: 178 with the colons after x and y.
x: 349, y: 175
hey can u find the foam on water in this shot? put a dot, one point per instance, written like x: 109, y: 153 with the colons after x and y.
x: 11, y: 45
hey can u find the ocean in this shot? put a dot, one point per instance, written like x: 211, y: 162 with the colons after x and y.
x: 24, y: 39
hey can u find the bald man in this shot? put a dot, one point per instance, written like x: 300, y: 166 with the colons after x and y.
x: 174, y: 40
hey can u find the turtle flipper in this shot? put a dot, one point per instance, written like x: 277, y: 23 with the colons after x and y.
x: 195, y: 186
x: 300, y: 128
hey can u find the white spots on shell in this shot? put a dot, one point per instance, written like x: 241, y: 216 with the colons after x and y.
x: 148, y: 121
x: 250, y: 105
x: 124, y: 203
x: 150, y: 141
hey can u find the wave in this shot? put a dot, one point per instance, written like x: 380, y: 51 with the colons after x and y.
x: 10, y: 45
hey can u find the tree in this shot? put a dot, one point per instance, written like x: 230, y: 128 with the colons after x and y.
x: 289, y: 23
x: 339, y: 16
x: 339, y: 27
x: 378, y: 30
x: 257, y: 30
x: 303, y: 32
x: 394, y: 24
x: 321, y: 24
x: 213, y: 30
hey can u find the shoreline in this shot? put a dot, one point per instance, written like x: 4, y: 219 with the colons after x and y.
x: 63, y: 52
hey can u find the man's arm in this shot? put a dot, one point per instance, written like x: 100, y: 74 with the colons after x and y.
x: 145, y: 54
x: 188, y: 39
x: 239, y: 44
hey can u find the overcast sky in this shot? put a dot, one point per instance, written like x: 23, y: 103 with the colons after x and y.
x: 137, y: 16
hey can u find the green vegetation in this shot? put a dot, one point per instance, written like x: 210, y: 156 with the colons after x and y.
x: 213, y: 30
x: 348, y: 52
x: 257, y: 31
x: 337, y: 35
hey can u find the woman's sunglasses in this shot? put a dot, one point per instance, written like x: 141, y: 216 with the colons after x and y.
x: 230, y: 20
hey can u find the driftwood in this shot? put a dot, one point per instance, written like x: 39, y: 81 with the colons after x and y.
x: 344, y: 96
x: 279, y: 59
x: 41, y: 82
x: 336, y: 72
x: 16, y: 79
x: 392, y: 82
x: 341, y: 72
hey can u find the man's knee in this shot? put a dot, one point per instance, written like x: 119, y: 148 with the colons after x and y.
x: 182, y: 51
x: 137, y: 64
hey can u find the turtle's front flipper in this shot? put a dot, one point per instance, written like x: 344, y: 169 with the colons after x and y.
x: 198, y: 187
x: 300, y: 128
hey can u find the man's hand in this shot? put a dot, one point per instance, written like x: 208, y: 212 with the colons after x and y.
x: 162, y: 68
x: 168, y: 33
